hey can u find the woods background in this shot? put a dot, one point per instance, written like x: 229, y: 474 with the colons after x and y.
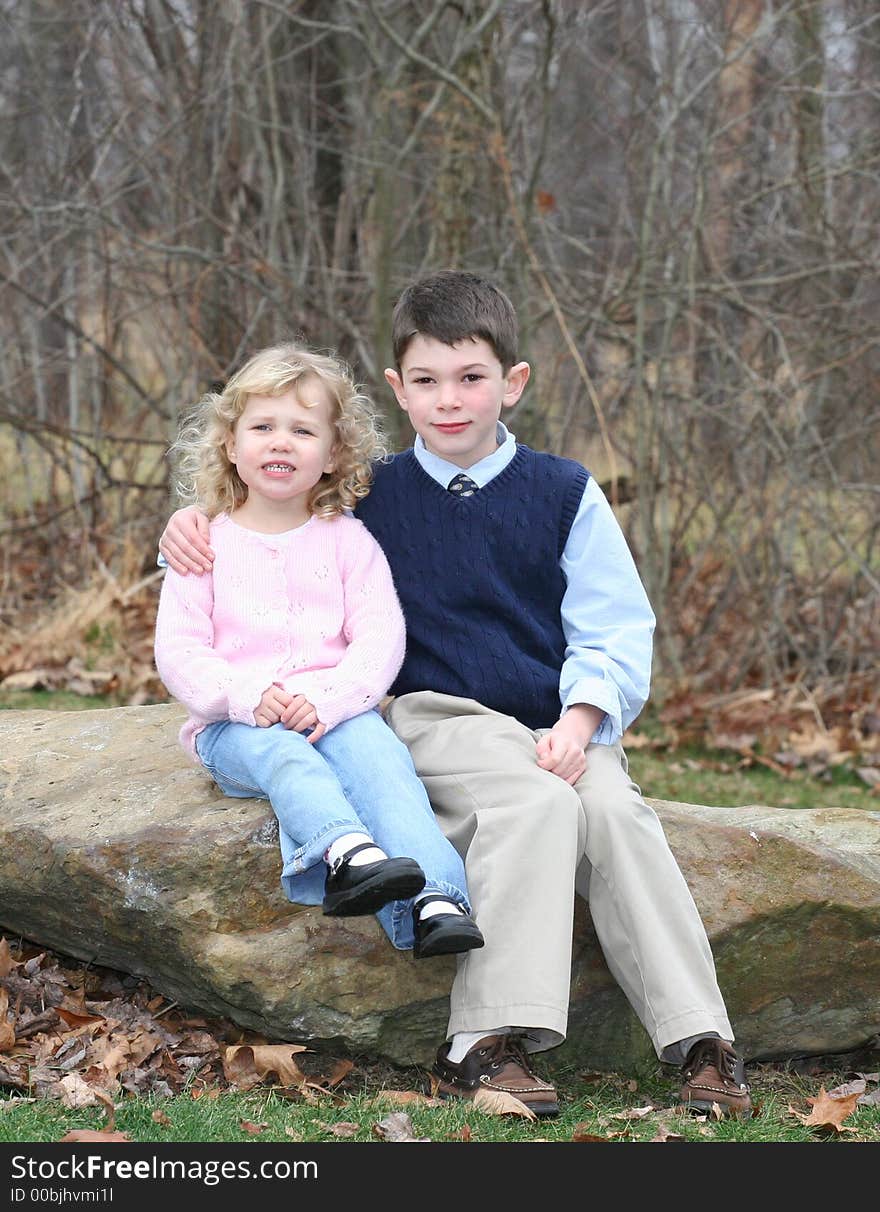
x: 680, y: 196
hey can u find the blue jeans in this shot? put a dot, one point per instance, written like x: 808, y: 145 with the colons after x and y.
x: 357, y: 778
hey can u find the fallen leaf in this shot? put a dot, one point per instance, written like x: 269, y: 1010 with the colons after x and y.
x: 398, y: 1129
x: 341, y: 1070
x: 308, y: 1086
x: 74, y: 1092
x: 828, y: 1112
x: 582, y: 1134
x: 857, y: 1087
x: 32, y: 966
x: 142, y: 1046
x: 634, y: 1113
x: 159, y: 1117
x: 90, y: 1135
x: 499, y: 1102
x: 463, y: 1134
x: 716, y: 1112
x: 248, y: 1064
x: 344, y: 1128
x: 405, y: 1098
x: 632, y: 1086
x: 103, y: 1097
x: 664, y: 1136
x: 74, y: 1020
x: 253, y: 1129
x: 869, y: 1100
x: 7, y: 1030
x: 7, y: 963
x: 114, y: 1060
x: 869, y: 1077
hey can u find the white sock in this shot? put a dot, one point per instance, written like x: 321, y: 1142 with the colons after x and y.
x: 463, y: 1041
x: 435, y: 907
x: 347, y: 842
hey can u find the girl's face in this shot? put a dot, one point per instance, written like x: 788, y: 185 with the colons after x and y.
x: 281, y: 447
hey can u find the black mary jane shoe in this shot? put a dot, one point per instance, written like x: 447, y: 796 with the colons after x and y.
x: 356, y: 891
x: 444, y: 933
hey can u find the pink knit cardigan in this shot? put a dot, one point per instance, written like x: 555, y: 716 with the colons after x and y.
x: 312, y: 610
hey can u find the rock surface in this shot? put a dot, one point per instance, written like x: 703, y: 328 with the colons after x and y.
x: 114, y: 849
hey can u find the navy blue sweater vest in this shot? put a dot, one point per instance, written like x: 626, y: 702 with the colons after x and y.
x: 479, y: 579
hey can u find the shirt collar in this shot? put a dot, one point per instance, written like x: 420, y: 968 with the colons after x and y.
x: 481, y: 473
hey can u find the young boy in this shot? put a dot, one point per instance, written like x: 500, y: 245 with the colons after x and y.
x: 528, y: 656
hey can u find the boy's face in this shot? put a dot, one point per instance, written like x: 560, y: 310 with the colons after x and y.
x: 454, y: 395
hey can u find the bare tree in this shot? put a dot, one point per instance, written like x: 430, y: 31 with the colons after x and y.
x: 680, y: 197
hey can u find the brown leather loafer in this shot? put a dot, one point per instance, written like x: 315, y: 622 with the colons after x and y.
x: 496, y: 1062
x: 713, y: 1074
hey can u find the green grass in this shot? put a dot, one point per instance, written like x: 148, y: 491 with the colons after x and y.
x: 694, y: 775
x: 589, y: 1107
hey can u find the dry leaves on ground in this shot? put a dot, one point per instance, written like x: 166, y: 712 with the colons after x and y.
x: 343, y: 1128
x: 583, y: 1134
x: 92, y: 1135
x: 665, y: 1136
x: 635, y: 1112
x: 828, y: 1113
x: 405, y: 1098
x: 80, y: 1034
x: 791, y: 729
x: 398, y: 1129
x: 247, y: 1065
x: 98, y: 1135
x: 859, y: 1087
x: 499, y: 1102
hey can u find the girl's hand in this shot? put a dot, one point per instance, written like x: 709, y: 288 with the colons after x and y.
x: 299, y: 715
x: 184, y: 542
x: 269, y: 710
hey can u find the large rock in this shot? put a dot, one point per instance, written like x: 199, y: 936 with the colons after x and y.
x: 114, y: 849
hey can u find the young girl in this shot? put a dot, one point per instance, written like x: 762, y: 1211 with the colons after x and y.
x: 282, y: 652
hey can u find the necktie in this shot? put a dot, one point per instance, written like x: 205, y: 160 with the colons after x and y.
x: 462, y: 485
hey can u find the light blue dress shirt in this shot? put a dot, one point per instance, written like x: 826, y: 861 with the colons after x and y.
x: 606, y: 616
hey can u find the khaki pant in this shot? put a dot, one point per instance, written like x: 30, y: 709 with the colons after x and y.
x: 529, y: 840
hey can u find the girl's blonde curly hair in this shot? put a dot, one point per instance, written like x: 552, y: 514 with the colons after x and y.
x: 206, y: 477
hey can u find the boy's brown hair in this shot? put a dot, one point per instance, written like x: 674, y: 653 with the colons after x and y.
x: 453, y: 306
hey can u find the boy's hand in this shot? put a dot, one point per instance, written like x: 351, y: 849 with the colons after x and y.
x: 184, y: 542
x: 270, y: 707
x: 561, y: 751
x: 299, y: 714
